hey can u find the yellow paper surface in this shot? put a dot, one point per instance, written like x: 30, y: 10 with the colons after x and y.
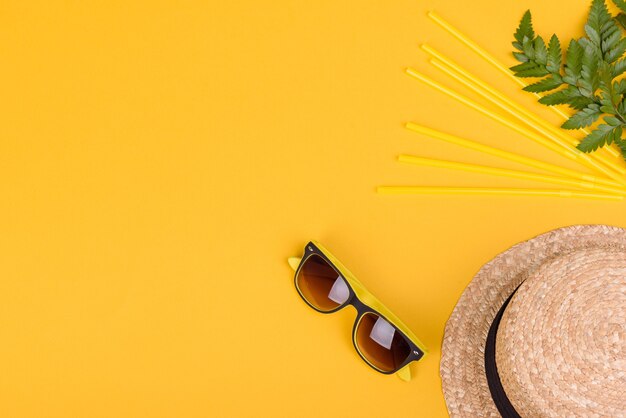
x: 161, y: 160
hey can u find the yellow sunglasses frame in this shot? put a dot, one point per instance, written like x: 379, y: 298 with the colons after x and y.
x: 366, y: 299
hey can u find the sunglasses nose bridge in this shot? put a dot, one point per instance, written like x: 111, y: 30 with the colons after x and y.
x: 361, y: 310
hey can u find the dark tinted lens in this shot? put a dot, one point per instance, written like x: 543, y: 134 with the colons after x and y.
x: 380, y: 343
x: 321, y: 285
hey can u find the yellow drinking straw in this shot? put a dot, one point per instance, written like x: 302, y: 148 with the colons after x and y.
x: 546, y: 128
x: 505, y: 154
x: 503, y: 172
x: 502, y: 101
x: 492, y: 191
x: 493, y: 61
x: 569, y: 153
x: 526, y: 132
x: 585, y: 158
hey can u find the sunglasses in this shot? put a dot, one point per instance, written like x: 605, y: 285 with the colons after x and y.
x: 380, y: 338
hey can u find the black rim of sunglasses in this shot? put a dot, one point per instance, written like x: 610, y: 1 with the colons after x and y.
x: 361, y: 308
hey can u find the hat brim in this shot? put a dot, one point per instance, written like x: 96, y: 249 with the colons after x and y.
x: 462, y: 368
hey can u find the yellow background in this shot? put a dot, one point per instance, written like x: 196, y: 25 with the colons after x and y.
x: 160, y: 160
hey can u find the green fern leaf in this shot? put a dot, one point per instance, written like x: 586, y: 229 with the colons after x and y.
x: 619, y: 67
x: 598, y: 16
x: 530, y: 69
x: 613, y: 121
x: 619, y: 87
x: 610, y: 36
x: 583, y: 118
x: 520, y: 57
x: 621, y: 19
x: 536, y: 71
x: 616, y: 52
x: 554, y: 55
x: 580, y: 102
x: 602, y: 135
x: 560, y: 97
x: 528, y: 48
x: 547, y: 84
x: 585, y: 79
x: 593, y: 35
x: 589, y: 79
x: 523, y: 66
x: 525, y: 28
x: 574, y: 57
x: 541, y: 52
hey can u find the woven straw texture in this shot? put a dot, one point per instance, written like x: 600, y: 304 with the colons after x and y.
x: 561, y: 345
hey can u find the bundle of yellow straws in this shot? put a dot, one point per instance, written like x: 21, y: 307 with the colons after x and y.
x: 609, y: 183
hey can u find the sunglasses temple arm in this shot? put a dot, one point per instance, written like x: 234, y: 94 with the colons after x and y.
x: 294, y: 262
x: 404, y: 373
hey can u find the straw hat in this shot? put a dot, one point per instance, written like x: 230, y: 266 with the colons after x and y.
x: 541, y: 330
